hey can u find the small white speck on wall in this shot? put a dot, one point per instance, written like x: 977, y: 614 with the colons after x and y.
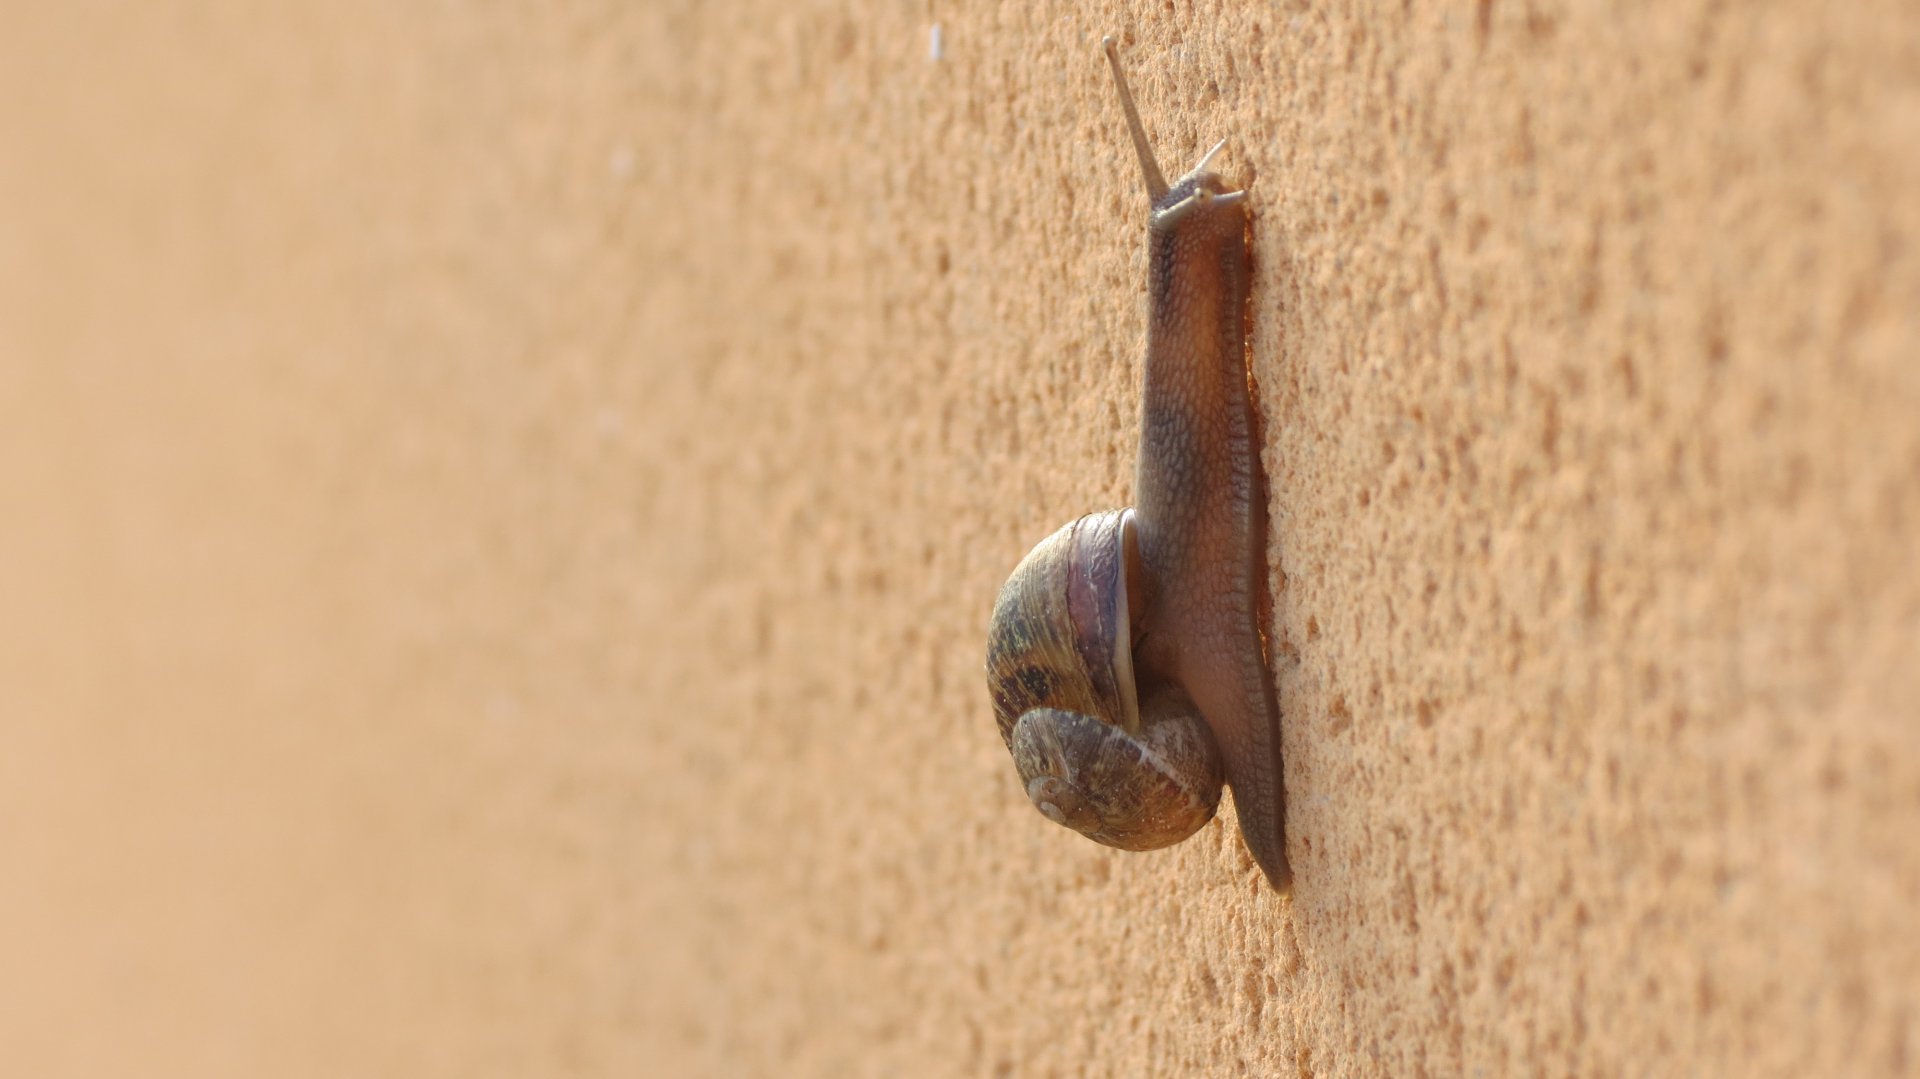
x: 934, y: 50
x: 621, y: 162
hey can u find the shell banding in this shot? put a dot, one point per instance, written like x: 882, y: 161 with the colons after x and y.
x: 1127, y: 764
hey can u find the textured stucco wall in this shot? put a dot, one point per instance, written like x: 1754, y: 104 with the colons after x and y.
x: 501, y: 505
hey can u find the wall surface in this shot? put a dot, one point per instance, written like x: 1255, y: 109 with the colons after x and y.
x: 501, y: 505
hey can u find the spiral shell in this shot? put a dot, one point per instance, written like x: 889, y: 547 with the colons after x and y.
x: 1128, y: 765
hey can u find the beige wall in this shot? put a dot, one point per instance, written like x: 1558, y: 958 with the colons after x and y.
x: 501, y: 504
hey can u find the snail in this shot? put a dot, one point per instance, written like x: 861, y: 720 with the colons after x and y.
x: 1128, y: 669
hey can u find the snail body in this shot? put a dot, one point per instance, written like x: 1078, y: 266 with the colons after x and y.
x: 1125, y: 657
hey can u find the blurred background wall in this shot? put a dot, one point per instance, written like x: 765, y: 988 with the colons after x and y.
x: 499, y: 505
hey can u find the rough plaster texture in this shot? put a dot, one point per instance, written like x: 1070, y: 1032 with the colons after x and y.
x: 501, y: 504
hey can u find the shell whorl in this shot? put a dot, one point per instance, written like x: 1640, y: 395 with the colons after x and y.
x: 1129, y: 769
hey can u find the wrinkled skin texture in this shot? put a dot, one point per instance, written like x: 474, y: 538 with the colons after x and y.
x: 1201, y: 502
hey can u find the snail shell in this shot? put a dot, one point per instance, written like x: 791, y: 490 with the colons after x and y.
x: 1129, y: 764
